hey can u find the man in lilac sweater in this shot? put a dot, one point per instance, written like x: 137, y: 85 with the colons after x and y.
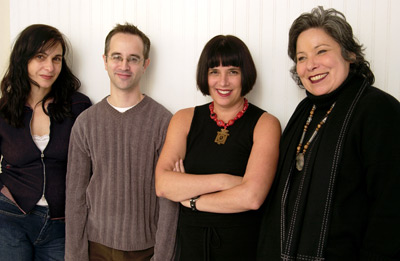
x: 112, y: 212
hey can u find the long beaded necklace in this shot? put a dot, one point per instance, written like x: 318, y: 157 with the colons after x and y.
x: 223, y: 134
x: 300, y: 155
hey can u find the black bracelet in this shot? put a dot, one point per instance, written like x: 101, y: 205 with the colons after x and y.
x: 193, y: 203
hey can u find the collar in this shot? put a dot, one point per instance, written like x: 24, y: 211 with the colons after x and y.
x: 326, y: 100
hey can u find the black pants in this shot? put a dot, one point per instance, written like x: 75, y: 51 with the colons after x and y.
x: 217, y: 243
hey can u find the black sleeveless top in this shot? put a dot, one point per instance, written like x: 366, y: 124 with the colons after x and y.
x: 204, y: 156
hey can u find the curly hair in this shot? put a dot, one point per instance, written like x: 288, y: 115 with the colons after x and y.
x: 16, y: 84
x: 335, y: 25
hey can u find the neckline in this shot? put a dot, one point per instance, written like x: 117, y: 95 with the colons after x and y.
x: 134, y: 108
x: 221, y: 123
x: 326, y: 100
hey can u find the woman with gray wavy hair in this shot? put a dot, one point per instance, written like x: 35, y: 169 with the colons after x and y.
x: 338, y: 174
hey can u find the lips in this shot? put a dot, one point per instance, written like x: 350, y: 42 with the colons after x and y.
x: 124, y: 75
x: 46, y: 77
x: 317, y: 78
x: 224, y: 92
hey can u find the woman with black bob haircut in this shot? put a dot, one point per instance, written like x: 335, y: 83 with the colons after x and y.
x: 38, y: 106
x: 226, y: 50
x: 219, y: 159
x: 336, y: 192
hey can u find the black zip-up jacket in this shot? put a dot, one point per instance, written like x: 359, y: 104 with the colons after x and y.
x: 25, y: 169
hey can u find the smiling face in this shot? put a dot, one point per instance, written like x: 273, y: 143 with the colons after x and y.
x: 320, y: 64
x: 225, y: 85
x: 44, y: 67
x: 125, y: 75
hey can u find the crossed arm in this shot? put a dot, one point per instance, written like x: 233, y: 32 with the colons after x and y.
x: 220, y: 192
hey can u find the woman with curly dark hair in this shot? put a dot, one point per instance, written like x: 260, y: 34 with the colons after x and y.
x: 38, y: 106
x: 336, y: 192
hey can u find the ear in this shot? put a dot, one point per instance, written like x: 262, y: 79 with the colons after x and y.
x: 146, y: 64
x: 105, y: 61
x: 353, y: 57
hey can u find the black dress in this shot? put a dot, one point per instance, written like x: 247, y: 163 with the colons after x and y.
x: 212, y: 236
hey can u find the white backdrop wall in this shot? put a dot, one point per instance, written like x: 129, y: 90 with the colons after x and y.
x: 5, y: 35
x: 178, y: 30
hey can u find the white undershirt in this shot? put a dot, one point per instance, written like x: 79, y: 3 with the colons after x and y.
x: 41, y: 142
x: 120, y: 109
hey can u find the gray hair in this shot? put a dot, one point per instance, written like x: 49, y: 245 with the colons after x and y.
x: 335, y: 25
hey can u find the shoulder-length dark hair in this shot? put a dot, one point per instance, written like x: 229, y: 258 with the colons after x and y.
x: 16, y: 84
x: 227, y: 50
x: 335, y: 25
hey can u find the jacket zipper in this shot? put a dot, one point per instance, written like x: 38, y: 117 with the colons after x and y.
x: 41, y: 157
x: 44, y: 174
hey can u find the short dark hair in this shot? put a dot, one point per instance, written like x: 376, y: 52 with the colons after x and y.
x: 227, y: 50
x: 128, y: 28
x: 16, y: 84
x: 335, y: 25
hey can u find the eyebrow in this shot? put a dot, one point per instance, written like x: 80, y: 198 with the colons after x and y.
x: 117, y: 53
x: 321, y: 45
x: 316, y: 47
x: 44, y: 53
x: 231, y: 67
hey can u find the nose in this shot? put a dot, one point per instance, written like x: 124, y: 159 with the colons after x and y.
x: 311, y: 63
x: 125, y: 64
x: 223, y: 79
x: 49, y: 65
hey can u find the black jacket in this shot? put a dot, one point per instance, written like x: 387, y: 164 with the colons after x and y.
x: 363, y: 221
x: 24, y: 168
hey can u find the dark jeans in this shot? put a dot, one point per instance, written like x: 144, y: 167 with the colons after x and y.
x: 33, y: 236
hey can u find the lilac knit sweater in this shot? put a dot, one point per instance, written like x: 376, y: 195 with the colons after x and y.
x: 111, y: 196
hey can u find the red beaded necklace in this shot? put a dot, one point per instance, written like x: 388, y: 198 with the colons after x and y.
x: 224, y: 133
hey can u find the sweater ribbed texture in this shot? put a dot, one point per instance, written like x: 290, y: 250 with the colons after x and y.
x: 111, y: 196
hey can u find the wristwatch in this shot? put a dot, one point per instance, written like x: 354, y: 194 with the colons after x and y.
x: 193, y: 203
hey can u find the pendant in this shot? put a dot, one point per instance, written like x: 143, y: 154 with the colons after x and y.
x: 300, y: 161
x: 221, y: 136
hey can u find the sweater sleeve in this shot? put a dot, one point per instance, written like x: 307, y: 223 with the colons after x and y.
x: 164, y: 249
x: 380, y: 150
x: 78, y: 177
